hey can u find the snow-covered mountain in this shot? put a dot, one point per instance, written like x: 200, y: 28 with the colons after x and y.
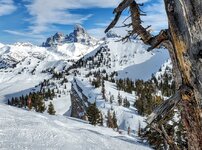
x: 63, y: 59
x: 129, y: 59
x: 23, y: 65
x: 1, y: 45
x: 75, y: 45
x: 79, y: 35
x: 11, y: 55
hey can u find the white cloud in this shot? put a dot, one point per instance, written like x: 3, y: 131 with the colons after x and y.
x: 7, y: 7
x: 27, y: 37
x: 14, y: 32
x: 48, y: 12
x: 156, y: 16
x: 25, y: 34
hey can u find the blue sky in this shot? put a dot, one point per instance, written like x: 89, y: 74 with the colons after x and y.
x: 35, y: 20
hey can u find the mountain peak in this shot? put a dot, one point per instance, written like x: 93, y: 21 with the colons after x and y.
x: 79, y: 28
x: 58, y: 34
x: 79, y: 35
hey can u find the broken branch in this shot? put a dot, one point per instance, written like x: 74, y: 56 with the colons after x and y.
x: 123, y: 5
x: 167, y: 106
x: 137, y: 28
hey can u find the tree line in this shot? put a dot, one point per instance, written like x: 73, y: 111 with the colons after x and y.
x: 34, y: 101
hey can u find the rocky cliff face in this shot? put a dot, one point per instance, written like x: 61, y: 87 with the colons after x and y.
x: 58, y: 38
x: 79, y: 35
x: 79, y: 101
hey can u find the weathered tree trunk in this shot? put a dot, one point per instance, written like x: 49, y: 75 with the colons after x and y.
x: 183, y: 39
x: 185, y: 26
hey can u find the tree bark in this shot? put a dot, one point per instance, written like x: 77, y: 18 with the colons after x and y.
x: 183, y: 39
x: 185, y: 26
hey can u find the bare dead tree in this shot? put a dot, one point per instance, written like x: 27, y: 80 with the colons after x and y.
x: 183, y: 39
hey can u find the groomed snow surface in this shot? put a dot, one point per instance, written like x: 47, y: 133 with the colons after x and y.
x: 20, y: 129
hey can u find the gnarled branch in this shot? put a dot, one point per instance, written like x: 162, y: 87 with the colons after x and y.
x: 122, y: 6
x: 137, y: 28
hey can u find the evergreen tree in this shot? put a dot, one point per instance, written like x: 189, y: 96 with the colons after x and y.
x: 52, y: 94
x: 119, y: 99
x: 109, y: 120
x: 139, y: 129
x: 101, y: 119
x: 9, y: 103
x: 129, y: 130
x: 125, y: 102
x: 51, y: 109
x: 49, y: 94
x: 114, y: 120
x: 111, y: 98
x: 96, y: 82
x: 103, y: 90
x: 20, y: 102
x: 12, y: 101
x: 40, y: 105
x: 93, y: 114
x: 16, y: 101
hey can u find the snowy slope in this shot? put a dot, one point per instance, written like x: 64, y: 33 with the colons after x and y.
x: 20, y: 129
x: 23, y: 65
x: 129, y: 59
x: 18, y: 53
x: 1, y: 45
x: 126, y: 117
x: 72, y: 51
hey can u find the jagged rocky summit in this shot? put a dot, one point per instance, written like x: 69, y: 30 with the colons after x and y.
x: 79, y: 35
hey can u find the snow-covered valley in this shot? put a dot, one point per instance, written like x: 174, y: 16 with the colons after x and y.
x: 63, y: 62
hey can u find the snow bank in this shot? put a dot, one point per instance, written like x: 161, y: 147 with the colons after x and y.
x: 20, y: 129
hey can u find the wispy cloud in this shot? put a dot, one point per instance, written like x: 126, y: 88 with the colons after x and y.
x: 45, y: 16
x: 48, y: 12
x: 24, y: 34
x: 27, y: 37
x: 7, y: 7
x: 156, y: 16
